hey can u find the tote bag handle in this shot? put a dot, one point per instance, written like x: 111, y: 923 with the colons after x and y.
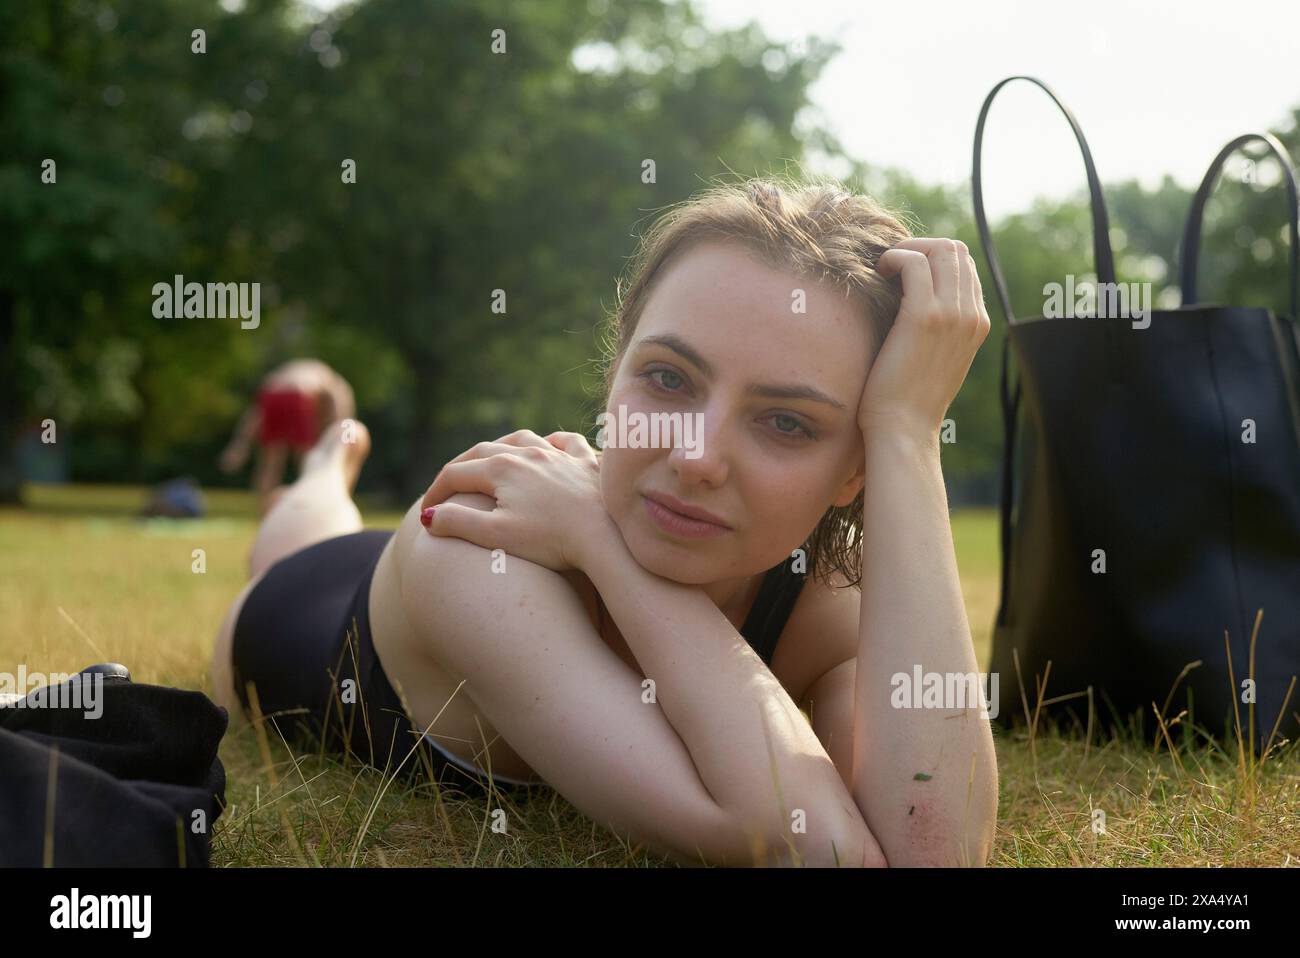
x: 1103, y: 259
x: 1192, y: 232
x: 1104, y: 263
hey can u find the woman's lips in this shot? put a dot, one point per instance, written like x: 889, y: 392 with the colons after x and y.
x: 677, y: 524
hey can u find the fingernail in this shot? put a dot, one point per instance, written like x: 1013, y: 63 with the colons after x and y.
x: 426, y: 517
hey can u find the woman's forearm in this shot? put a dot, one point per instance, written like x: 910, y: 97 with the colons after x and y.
x: 247, y: 427
x: 925, y: 778
x: 755, y: 752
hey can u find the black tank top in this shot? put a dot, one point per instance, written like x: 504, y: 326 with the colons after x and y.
x: 771, y: 609
x: 769, y: 613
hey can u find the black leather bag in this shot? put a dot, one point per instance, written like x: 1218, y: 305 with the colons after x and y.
x: 1150, y: 499
x: 139, y: 784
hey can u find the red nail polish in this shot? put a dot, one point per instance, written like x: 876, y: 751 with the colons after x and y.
x: 426, y: 517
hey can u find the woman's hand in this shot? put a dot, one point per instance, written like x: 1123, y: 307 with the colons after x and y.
x: 547, y: 493
x: 940, y: 326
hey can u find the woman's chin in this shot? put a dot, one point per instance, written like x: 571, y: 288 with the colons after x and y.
x: 682, y: 563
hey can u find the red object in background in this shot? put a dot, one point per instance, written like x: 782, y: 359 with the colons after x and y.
x: 289, y: 417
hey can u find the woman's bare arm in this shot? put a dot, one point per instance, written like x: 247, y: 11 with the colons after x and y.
x: 755, y: 752
x: 236, y: 451
x: 569, y: 706
x: 924, y: 778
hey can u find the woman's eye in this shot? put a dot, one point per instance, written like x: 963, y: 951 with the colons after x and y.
x: 783, y: 423
x: 662, y: 372
x: 796, y: 426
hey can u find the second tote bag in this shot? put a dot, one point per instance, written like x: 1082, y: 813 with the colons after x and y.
x: 1150, y: 498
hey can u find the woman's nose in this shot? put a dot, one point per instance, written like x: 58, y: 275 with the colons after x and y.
x: 699, y: 453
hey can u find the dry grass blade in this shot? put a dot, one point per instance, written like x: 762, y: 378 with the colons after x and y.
x: 51, y: 785
x: 259, y: 727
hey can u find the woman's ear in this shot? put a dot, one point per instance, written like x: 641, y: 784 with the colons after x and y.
x: 849, y: 491
x: 853, y: 485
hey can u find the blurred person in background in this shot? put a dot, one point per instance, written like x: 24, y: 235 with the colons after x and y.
x: 295, y: 402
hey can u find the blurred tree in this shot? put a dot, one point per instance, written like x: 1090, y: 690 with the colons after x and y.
x: 484, y: 161
x: 515, y: 167
x: 103, y: 93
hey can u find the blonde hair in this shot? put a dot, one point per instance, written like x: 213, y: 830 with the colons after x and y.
x: 813, y: 229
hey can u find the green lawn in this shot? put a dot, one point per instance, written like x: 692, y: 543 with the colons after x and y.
x: 82, y: 580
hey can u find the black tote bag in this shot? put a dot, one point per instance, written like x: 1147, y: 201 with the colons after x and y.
x: 1138, y: 523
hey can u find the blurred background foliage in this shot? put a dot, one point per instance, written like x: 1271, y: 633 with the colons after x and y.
x: 474, y: 172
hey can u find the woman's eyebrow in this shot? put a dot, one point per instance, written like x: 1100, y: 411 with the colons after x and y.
x: 768, y: 390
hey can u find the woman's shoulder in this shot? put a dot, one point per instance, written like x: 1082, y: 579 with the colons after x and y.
x: 424, y: 564
x: 411, y: 531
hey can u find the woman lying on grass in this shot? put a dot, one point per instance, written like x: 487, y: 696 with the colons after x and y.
x: 640, y: 628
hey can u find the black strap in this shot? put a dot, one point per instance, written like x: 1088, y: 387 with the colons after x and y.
x: 767, y: 616
x: 771, y: 609
x: 1104, y: 263
x: 1192, y: 231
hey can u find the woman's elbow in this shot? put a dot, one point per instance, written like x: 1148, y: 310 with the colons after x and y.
x: 848, y: 848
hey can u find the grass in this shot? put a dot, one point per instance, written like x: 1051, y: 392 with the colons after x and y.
x: 83, y: 580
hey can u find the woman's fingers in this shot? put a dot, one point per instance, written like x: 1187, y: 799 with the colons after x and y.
x: 485, y: 450
x: 523, y: 437
x: 914, y: 267
x: 983, y: 323
x: 973, y: 318
x: 468, y: 476
x: 966, y: 290
x: 941, y: 322
x: 469, y: 472
x: 516, y: 440
x: 947, y: 259
x: 465, y: 522
x: 979, y: 293
x: 574, y: 443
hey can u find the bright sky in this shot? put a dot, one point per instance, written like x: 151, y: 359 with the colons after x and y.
x: 1159, y: 86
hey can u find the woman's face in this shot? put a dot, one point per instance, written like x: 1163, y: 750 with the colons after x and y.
x: 774, y: 392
